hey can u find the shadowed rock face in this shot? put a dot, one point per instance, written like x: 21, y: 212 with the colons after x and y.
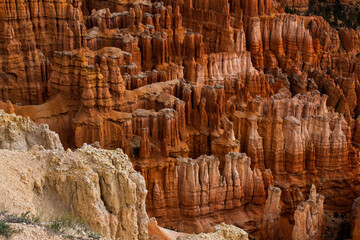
x: 309, y: 217
x: 356, y: 219
x: 270, y: 228
x: 213, y: 102
x: 302, y: 6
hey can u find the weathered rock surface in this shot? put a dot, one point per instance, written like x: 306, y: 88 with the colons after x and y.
x: 159, y: 233
x: 18, y: 133
x: 213, y: 101
x: 270, y: 228
x: 222, y: 232
x: 203, y: 190
x: 356, y: 219
x: 31, y: 32
x: 99, y: 186
x: 309, y: 217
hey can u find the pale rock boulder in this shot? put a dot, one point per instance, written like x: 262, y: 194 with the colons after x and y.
x: 98, y: 186
x: 103, y: 189
x: 221, y: 232
x: 19, y: 133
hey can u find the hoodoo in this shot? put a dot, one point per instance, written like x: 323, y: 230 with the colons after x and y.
x: 224, y: 119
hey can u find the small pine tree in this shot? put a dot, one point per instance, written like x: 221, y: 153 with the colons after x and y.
x: 287, y: 9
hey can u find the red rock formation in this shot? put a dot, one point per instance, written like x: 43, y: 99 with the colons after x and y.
x: 349, y: 39
x: 299, y: 5
x: 309, y: 217
x: 203, y: 190
x: 270, y: 228
x: 32, y: 32
x: 355, y: 219
x: 225, y: 143
x: 178, y: 85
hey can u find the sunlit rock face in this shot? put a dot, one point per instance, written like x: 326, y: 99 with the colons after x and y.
x: 230, y: 110
x: 96, y: 185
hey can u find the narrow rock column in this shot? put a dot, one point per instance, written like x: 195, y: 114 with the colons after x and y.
x: 270, y: 228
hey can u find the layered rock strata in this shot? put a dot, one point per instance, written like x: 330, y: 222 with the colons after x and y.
x: 309, y: 217
x: 270, y: 228
x: 31, y: 32
x: 185, y: 88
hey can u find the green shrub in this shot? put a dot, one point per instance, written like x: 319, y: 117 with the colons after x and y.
x: 336, y: 13
x: 5, y: 229
x: 136, y: 152
x: 56, y: 226
x: 37, y: 219
x: 94, y: 235
x: 290, y: 10
x: 25, y: 215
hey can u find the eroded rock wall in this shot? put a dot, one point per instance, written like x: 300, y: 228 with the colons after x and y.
x: 179, y: 85
x: 98, y: 186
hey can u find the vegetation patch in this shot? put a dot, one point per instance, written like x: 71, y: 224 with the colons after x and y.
x: 5, y: 229
x: 94, y: 235
x: 56, y: 226
x: 336, y: 13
